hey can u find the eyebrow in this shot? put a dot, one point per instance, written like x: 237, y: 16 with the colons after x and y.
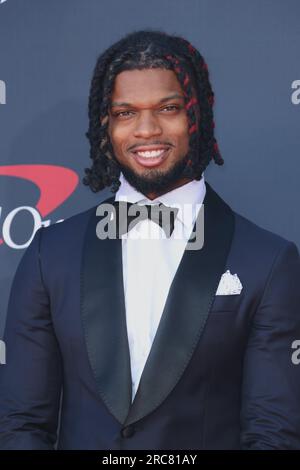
x: 167, y: 98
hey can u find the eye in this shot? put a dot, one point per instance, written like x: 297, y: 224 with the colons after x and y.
x: 171, y: 107
x: 122, y: 114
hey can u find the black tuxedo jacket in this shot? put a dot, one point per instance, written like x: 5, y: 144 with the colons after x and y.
x: 220, y: 374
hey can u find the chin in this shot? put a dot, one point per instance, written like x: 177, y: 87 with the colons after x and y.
x: 154, y: 179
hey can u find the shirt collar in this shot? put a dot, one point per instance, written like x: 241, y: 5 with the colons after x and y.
x: 187, y: 198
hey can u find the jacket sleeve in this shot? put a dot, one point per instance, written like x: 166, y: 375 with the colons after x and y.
x: 31, y: 379
x: 270, y: 412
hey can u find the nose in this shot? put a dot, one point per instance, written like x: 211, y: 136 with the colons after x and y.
x: 147, y: 125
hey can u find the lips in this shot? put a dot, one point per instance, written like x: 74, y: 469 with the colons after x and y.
x: 150, y: 155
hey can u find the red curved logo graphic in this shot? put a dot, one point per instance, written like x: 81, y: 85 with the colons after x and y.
x: 56, y: 183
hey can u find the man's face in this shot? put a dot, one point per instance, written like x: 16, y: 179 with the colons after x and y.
x: 148, y: 129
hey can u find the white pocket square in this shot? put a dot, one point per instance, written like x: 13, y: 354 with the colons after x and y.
x: 229, y: 284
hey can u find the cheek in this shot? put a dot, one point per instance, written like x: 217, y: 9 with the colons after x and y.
x: 181, y: 124
x: 117, y: 137
x: 180, y: 132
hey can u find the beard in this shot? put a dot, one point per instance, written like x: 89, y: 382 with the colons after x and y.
x: 155, y: 181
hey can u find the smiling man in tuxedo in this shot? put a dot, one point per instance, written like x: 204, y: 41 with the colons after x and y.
x: 151, y: 345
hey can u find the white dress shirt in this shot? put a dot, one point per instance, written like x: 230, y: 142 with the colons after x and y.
x: 150, y: 261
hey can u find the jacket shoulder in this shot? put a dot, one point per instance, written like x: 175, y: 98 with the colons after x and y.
x: 257, y: 231
x: 258, y: 240
x: 250, y: 234
x: 71, y: 226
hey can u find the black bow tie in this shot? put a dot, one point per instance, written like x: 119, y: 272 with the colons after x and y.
x: 128, y: 213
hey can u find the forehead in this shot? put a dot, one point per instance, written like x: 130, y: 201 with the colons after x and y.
x: 143, y: 85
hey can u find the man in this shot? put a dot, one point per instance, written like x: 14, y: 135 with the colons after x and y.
x: 172, y: 348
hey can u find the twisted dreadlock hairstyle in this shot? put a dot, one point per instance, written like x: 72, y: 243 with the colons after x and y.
x: 142, y: 50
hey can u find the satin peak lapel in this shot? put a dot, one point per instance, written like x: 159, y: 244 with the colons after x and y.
x: 104, y: 319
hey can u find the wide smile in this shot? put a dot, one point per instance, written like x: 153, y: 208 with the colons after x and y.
x: 151, y: 158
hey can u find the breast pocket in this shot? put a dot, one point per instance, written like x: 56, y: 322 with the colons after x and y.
x: 226, y: 303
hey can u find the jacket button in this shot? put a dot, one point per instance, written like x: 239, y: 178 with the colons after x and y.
x: 128, y: 431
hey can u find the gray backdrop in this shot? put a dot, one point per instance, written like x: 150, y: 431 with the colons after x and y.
x: 48, y: 49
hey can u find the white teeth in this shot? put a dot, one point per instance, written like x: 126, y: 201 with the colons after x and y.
x: 151, y: 153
